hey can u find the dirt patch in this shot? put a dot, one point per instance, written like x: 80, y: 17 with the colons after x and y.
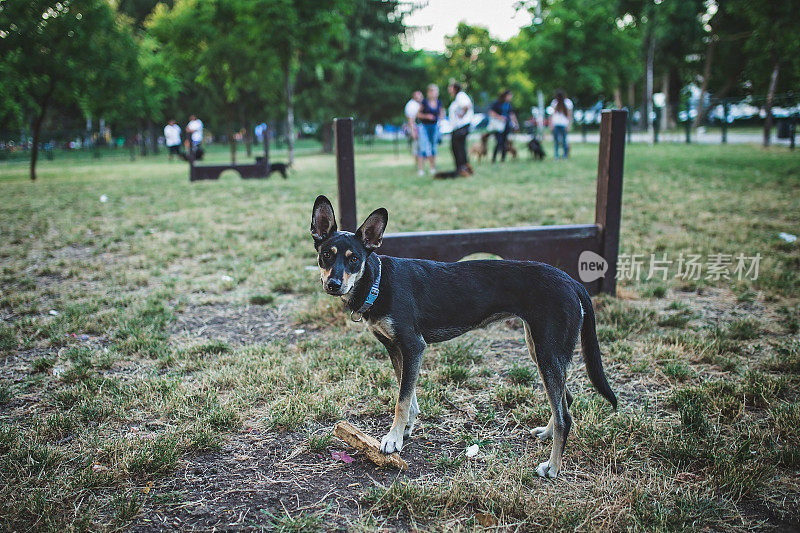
x: 761, y: 515
x: 258, y: 474
x: 236, y: 325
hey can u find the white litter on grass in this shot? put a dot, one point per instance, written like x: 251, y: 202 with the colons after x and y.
x: 311, y: 267
x: 103, y: 198
x: 53, y: 312
x: 472, y: 451
x: 299, y: 331
x: 226, y: 277
x: 788, y: 237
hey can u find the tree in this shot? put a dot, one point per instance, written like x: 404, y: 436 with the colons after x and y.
x: 295, y: 32
x: 367, y: 73
x: 772, y: 48
x: 62, y: 53
x: 210, y: 40
x: 583, y: 47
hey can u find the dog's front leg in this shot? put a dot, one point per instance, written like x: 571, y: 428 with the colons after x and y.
x: 406, y: 399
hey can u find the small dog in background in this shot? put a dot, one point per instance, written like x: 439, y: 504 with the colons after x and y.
x: 479, y: 149
x: 535, y: 149
x: 510, y: 148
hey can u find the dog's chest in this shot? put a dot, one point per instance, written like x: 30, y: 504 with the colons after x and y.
x: 382, y: 327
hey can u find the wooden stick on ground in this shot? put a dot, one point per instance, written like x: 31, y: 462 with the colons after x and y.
x: 369, y: 445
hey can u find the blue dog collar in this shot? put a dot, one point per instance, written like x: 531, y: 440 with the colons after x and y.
x: 374, y: 291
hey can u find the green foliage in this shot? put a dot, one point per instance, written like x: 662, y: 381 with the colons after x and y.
x: 366, y: 68
x: 64, y: 53
x: 583, y: 47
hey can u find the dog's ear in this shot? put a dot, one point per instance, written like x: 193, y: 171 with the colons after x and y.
x: 371, y: 231
x: 323, y: 221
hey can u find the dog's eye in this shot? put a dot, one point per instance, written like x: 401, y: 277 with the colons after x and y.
x: 353, y: 259
x: 326, y: 255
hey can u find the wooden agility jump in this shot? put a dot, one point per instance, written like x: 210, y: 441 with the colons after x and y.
x: 559, y: 246
x: 260, y: 169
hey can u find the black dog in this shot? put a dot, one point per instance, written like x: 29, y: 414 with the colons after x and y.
x: 278, y: 167
x: 535, y: 149
x: 409, y: 303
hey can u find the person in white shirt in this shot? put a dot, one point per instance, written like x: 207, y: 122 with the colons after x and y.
x: 195, y: 130
x: 411, y: 111
x: 460, y: 115
x: 172, y: 138
x: 560, y: 121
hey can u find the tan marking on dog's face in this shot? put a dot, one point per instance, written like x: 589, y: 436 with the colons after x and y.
x: 324, y: 274
x: 349, y: 280
x: 334, y: 250
x: 348, y: 253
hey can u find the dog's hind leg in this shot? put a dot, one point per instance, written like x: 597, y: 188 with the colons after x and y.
x: 541, y: 432
x: 554, y: 376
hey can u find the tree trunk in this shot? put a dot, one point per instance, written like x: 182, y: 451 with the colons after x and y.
x: 631, y: 96
x: 140, y: 137
x: 648, y: 88
x: 37, y: 128
x: 665, y: 113
x: 327, y: 137
x: 289, y: 88
x: 152, y: 135
x: 231, y: 133
x: 248, y: 140
x: 773, y: 82
x: 706, y: 77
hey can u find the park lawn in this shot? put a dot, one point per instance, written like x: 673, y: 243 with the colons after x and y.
x: 167, y: 359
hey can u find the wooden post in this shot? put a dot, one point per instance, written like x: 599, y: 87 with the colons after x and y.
x: 609, y: 191
x: 345, y: 172
x: 265, y: 138
x: 724, y: 121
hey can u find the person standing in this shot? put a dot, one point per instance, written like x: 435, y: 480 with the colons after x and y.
x: 172, y: 138
x: 431, y: 111
x: 195, y: 130
x: 460, y: 115
x: 560, y: 121
x: 502, y: 110
x: 411, y: 111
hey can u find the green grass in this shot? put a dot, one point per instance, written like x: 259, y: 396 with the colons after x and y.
x: 178, y: 307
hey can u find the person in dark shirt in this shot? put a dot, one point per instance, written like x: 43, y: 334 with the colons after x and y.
x: 429, y: 114
x: 502, y: 111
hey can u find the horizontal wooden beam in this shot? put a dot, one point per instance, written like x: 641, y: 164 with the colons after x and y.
x: 559, y: 246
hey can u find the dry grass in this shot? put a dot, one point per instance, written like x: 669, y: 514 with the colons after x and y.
x: 192, y: 372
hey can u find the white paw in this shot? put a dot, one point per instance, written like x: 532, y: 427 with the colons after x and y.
x: 545, y: 470
x: 543, y: 433
x: 391, y: 443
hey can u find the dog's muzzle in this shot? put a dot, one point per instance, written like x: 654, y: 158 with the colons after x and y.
x: 333, y: 286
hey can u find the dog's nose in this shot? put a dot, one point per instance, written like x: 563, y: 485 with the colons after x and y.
x: 334, y: 284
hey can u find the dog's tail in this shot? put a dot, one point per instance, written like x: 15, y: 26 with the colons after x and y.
x: 591, y: 348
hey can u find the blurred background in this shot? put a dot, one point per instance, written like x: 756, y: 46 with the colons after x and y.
x: 100, y: 78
